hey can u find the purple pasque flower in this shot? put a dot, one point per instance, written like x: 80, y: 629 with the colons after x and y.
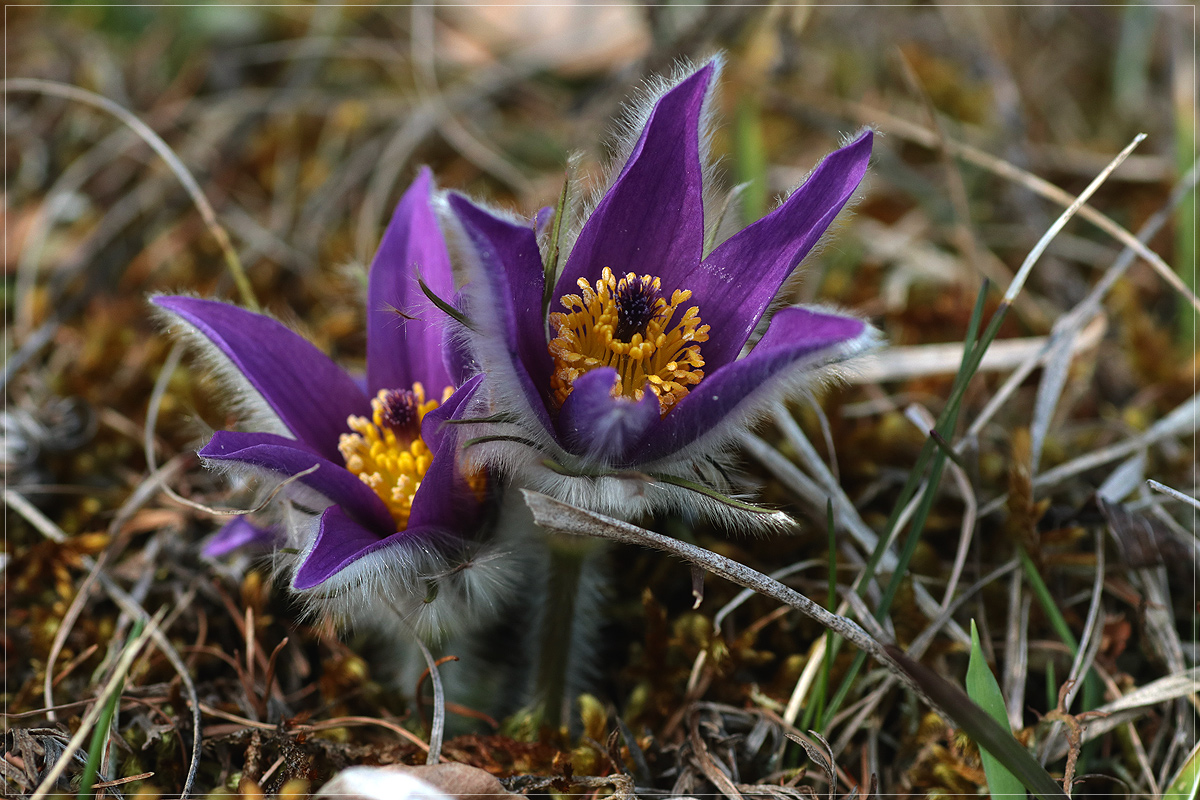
x: 626, y: 384
x: 388, y: 516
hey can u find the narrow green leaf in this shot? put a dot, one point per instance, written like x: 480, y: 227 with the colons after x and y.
x: 1091, y: 681
x: 554, y: 252
x: 1185, y: 219
x: 980, y: 726
x: 469, y: 443
x: 1186, y: 783
x: 1051, y: 684
x: 100, y: 732
x: 984, y: 690
x: 814, y: 710
x: 501, y: 417
x: 831, y: 604
x: 444, y: 306
x: 973, y: 352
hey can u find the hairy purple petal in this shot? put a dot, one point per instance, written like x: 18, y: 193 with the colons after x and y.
x: 238, y: 533
x: 444, y: 500
x: 288, y: 457
x: 797, y: 337
x: 511, y: 266
x: 651, y: 220
x: 738, y: 280
x: 311, y: 395
x: 434, y: 428
x: 404, y: 349
x: 601, y: 427
x: 340, y: 542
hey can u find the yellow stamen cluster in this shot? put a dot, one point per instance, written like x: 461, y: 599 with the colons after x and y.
x: 662, y: 356
x: 391, y: 461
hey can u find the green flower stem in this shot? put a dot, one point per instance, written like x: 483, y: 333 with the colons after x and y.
x: 568, y: 555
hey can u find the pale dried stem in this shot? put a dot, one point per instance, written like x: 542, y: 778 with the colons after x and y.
x: 470, y: 146
x: 1178, y: 495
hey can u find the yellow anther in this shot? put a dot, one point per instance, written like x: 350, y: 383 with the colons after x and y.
x: 656, y: 353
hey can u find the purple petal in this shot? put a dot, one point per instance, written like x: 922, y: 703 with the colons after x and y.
x: 236, y: 534
x: 309, y: 393
x: 444, y: 501
x: 340, y: 542
x: 738, y: 280
x: 288, y: 457
x: 402, y: 350
x: 601, y: 427
x: 511, y: 268
x: 433, y: 426
x: 651, y: 220
x: 796, y: 338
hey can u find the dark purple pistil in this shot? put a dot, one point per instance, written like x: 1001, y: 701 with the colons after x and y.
x: 635, y: 302
x: 400, y: 412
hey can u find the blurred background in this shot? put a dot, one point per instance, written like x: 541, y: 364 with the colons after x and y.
x: 303, y: 124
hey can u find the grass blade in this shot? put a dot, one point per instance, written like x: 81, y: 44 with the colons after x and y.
x: 972, y: 356
x: 1186, y: 783
x: 981, y: 727
x: 100, y: 732
x: 984, y: 690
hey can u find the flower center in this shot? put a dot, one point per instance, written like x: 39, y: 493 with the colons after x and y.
x: 627, y: 325
x: 386, y: 452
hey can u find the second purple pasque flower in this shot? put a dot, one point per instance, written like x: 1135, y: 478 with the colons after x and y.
x: 384, y: 518
x: 623, y: 387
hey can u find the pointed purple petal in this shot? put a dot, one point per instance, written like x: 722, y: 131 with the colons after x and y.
x: 309, y: 393
x: 651, y: 220
x: 236, y: 534
x: 738, y: 280
x: 341, y: 541
x: 288, y: 457
x: 797, y: 338
x: 433, y: 427
x: 402, y: 350
x: 601, y: 427
x: 511, y: 269
x: 444, y: 501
